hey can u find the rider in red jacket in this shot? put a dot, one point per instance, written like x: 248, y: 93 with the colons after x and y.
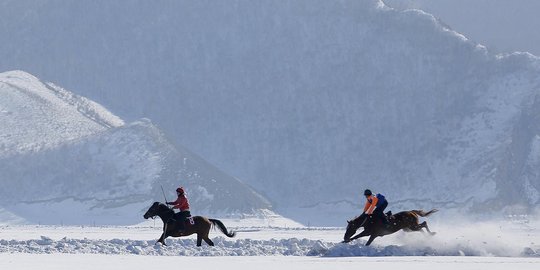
x: 182, y: 204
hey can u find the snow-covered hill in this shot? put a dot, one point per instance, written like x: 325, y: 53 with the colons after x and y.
x: 310, y: 102
x: 37, y: 115
x: 68, y: 160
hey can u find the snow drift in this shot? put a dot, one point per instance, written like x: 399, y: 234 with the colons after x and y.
x: 242, y: 247
x: 504, y: 238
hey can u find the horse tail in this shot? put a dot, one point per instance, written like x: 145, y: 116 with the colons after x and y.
x: 222, y: 227
x: 424, y: 214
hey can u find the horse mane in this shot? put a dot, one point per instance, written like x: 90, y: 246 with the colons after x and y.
x: 358, y: 221
x: 355, y: 219
x: 161, y: 207
x: 160, y: 204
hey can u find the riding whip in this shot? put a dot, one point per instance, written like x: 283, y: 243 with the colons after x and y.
x: 164, y: 195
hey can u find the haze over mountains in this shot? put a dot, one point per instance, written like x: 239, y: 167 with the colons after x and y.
x: 309, y: 102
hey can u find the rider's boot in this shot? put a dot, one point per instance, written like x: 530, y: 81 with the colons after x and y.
x: 181, y: 226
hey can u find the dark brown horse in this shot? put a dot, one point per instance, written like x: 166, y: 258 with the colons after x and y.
x: 197, y: 224
x: 373, y: 227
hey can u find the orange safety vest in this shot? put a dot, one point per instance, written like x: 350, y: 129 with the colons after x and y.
x: 371, y: 204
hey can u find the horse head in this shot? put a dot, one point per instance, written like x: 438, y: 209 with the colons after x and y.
x: 351, y: 229
x: 153, y: 211
x: 353, y: 226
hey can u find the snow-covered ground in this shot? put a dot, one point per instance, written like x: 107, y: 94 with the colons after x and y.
x: 104, y: 262
x: 494, y: 245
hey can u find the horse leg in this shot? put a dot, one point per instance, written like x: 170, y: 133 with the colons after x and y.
x: 415, y: 227
x: 424, y: 225
x: 204, y: 234
x: 208, y: 241
x: 161, y: 239
x: 163, y: 235
x: 418, y: 227
x: 199, y: 240
x: 371, y: 238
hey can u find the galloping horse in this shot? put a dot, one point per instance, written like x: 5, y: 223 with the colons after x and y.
x: 373, y: 227
x: 197, y: 224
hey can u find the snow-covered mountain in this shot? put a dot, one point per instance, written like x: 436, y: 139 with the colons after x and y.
x: 310, y: 102
x: 67, y: 159
x: 37, y: 116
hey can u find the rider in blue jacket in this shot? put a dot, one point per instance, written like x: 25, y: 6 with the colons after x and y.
x: 375, y: 206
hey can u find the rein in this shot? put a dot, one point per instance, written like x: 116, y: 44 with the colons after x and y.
x: 362, y: 224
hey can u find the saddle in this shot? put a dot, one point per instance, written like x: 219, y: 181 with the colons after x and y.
x: 186, y: 220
